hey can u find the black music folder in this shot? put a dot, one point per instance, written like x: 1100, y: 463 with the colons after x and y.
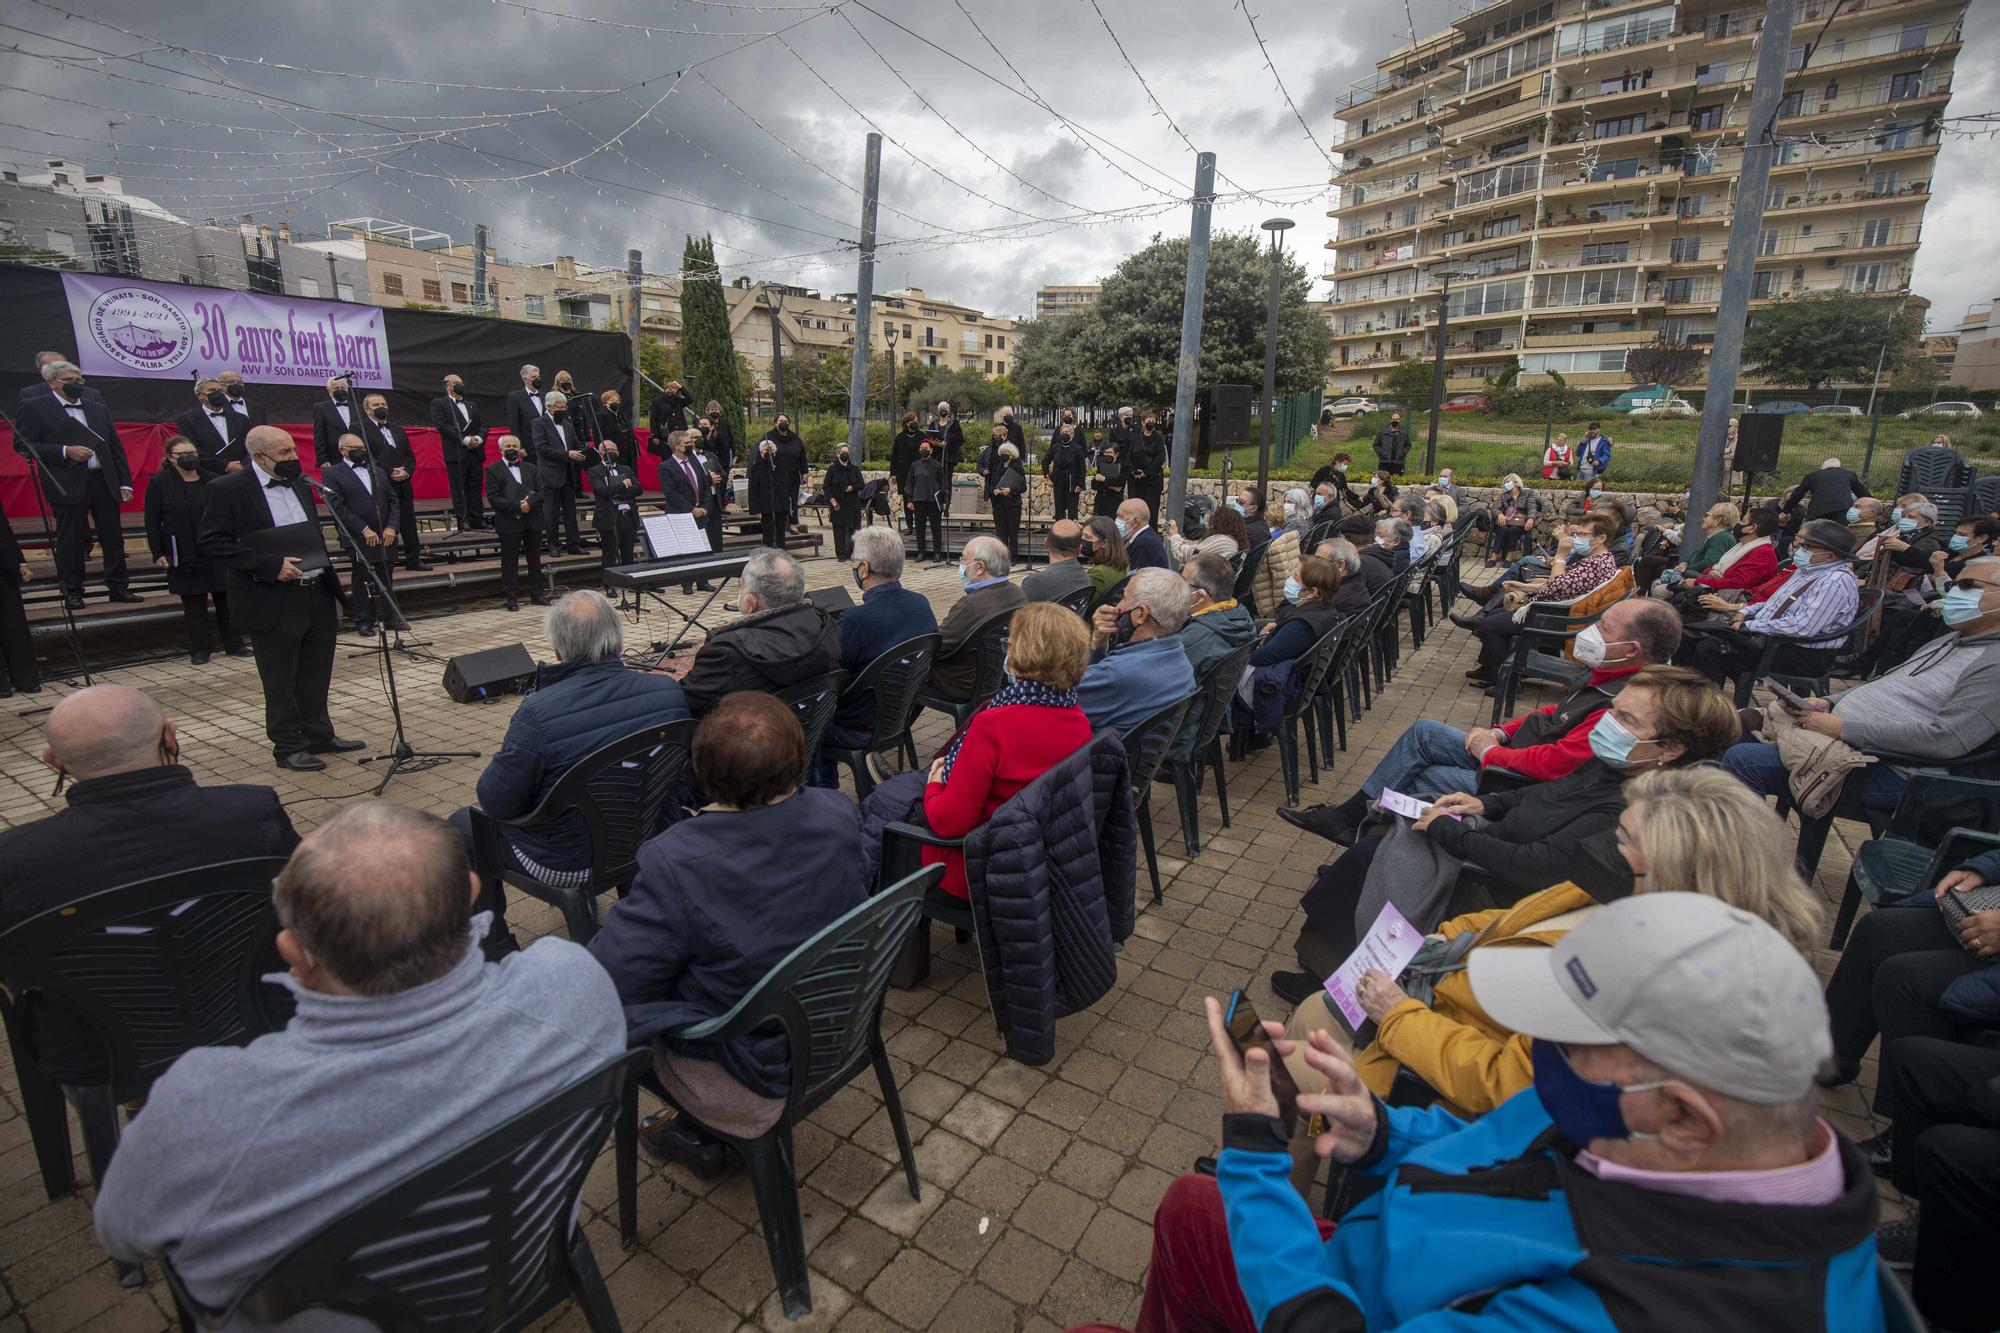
x: 303, y: 542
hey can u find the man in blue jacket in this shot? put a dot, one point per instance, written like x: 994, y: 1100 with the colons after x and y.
x: 889, y: 614
x: 583, y: 701
x: 1138, y: 665
x: 1667, y: 1166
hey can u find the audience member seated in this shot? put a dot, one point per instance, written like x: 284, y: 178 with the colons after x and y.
x: 1138, y: 665
x: 1940, y: 705
x: 406, y: 1044
x: 1279, y: 566
x: 1907, y: 551
x: 780, y: 640
x: 721, y: 899
x: 1515, y: 512
x: 1585, y: 563
x: 1423, y: 532
x: 1065, y: 572
x: 1379, y: 541
x: 983, y: 570
x: 1674, y: 1043
x: 1868, y: 518
x: 1444, y: 494
x: 1143, y: 546
x: 134, y: 812
x: 1530, y: 837
x: 1915, y: 618
x: 1819, y: 594
x: 1031, y: 725
x: 1104, y: 554
x: 1298, y: 512
x: 1352, y: 599
x: 889, y: 614
x: 1226, y: 537
x: 1305, y: 616
x: 583, y: 701
x: 1249, y: 502
x: 1431, y: 758
x: 1217, y: 626
x: 1718, y: 528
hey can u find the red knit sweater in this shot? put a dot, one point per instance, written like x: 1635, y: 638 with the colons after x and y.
x: 1003, y: 751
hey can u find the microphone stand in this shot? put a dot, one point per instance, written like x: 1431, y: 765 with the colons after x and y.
x: 400, y: 753
x: 377, y: 479
x: 49, y: 526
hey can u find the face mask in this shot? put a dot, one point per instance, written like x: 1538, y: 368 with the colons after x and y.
x: 1319, y: 502
x: 923, y: 453
x: 1580, y: 545
x: 608, y: 455
x: 1906, y: 524
x: 782, y: 431
x: 858, y: 581
x: 1591, y: 649
x: 234, y: 390
x: 564, y: 384
x: 843, y: 455
x: 1124, y: 532
x: 1444, y: 481
x: 534, y: 381
x: 454, y: 388
x: 1581, y: 1108
x: 1611, y: 742
x: 1960, y: 605
x: 289, y: 470
x: 357, y: 457
x: 1596, y: 491
x: 1341, y: 468
x: 963, y: 577
x: 217, y: 399
x: 1854, y: 513
x: 1291, y: 510
x: 186, y: 462
x: 380, y: 414
x: 511, y: 455
x: 1960, y: 542
x: 1124, y: 629
x: 340, y: 395
x: 1293, y: 591
x: 72, y: 389
x: 1507, y: 486
x: 1237, y: 505
x: 1801, y: 558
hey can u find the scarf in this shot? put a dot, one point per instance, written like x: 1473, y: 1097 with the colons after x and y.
x: 1031, y: 693
x: 1735, y: 553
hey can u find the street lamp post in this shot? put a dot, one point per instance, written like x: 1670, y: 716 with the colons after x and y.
x: 1277, y: 227
x: 889, y: 334
x: 776, y: 299
x: 1437, y: 365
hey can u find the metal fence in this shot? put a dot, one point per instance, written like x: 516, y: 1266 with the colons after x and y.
x: 1293, y: 421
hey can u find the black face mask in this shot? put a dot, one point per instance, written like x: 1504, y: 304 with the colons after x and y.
x: 217, y: 399
x: 608, y: 455
x: 454, y: 389
x: 923, y: 453
x: 71, y: 390
x: 288, y: 470
x: 511, y: 455
x: 782, y: 431
x: 1123, y: 633
x: 357, y: 458
x: 380, y: 414
x: 186, y: 462
x: 234, y: 390
x: 340, y: 395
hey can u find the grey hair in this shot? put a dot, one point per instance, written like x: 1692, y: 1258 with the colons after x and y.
x: 1211, y: 573
x: 1923, y: 509
x: 526, y: 369
x: 1829, y: 462
x: 1342, y: 551
x: 1394, y: 527
x: 554, y: 394
x: 55, y: 368
x: 583, y: 627
x: 882, y: 548
x: 992, y: 553
x: 775, y: 578
x: 1297, y: 496
x: 1165, y: 596
x: 1009, y: 451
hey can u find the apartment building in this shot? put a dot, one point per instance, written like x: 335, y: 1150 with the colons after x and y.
x: 1062, y: 298
x: 943, y: 334
x: 1975, y: 350
x: 1572, y: 166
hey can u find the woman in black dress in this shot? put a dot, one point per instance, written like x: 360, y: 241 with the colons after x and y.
x: 1010, y: 487
x: 927, y: 487
x: 175, y: 499
x: 843, y: 498
x: 767, y: 493
x: 1107, y: 475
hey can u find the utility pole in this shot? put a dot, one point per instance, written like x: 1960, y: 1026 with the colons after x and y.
x: 479, y: 269
x: 773, y: 298
x: 864, y: 297
x: 1267, y: 409
x: 1437, y: 372
x: 1191, y: 305
x: 635, y: 270
x: 1745, y: 224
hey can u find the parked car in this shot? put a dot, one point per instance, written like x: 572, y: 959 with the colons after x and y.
x: 1665, y: 407
x: 1623, y: 404
x: 1837, y: 410
x: 1780, y: 407
x: 1466, y: 402
x: 1350, y: 407
x: 1943, y: 410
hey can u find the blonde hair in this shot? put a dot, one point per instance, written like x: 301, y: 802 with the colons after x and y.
x: 1726, y: 515
x: 1048, y: 643
x: 1702, y: 831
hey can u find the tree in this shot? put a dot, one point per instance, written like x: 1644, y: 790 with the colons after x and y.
x: 1662, y: 362
x: 1409, y: 382
x: 1125, y: 348
x: 969, y: 392
x: 1825, y: 336
x: 713, y: 365
x: 1918, y: 375
x: 657, y: 360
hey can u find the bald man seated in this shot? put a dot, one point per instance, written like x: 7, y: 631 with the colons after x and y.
x: 134, y: 812
x: 1066, y: 573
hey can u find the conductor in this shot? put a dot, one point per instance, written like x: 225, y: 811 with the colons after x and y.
x: 288, y: 612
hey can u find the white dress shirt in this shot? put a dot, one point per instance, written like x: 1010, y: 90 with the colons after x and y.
x: 282, y: 501
x: 77, y: 415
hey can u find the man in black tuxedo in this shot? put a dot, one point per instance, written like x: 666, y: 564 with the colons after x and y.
x: 253, y: 413
x: 85, y: 475
x: 133, y: 812
x: 215, y: 431
x: 614, y: 512
x: 366, y: 501
x: 511, y: 488
x: 391, y: 447
x: 563, y: 456
x: 462, y: 435
x: 524, y: 405
x: 291, y: 615
x: 333, y: 416
x: 688, y: 487
x: 41, y: 387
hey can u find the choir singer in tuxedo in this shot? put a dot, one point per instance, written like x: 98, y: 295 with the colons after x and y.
x: 397, y: 461
x: 512, y: 490
x: 367, y: 503
x: 614, y: 507
x: 290, y: 614
x: 462, y: 437
x: 85, y: 475
x: 215, y: 431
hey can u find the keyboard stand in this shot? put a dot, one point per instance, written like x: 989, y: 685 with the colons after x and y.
x: 689, y: 621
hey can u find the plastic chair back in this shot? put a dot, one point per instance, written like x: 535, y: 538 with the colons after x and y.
x: 1148, y: 740
x: 1318, y: 660
x: 1078, y: 601
x: 1246, y: 573
x: 1982, y: 496
x: 480, y: 1239
x: 1213, y: 695
x: 1928, y: 471
x: 827, y: 994
x: 895, y: 679
x: 159, y: 966
x: 1111, y: 596
x: 815, y: 701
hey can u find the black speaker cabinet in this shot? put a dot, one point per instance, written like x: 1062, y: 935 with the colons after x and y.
x: 1231, y: 414
x: 1757, y: 438
x: 470, y: 677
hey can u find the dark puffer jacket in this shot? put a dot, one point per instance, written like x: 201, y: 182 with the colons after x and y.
x: 770, y: 650
x: 1055, y: 867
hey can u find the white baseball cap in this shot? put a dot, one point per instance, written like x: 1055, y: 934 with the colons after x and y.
x: 1704, y: 990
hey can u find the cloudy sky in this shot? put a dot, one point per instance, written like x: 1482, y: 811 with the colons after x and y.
x: 1022, y: 147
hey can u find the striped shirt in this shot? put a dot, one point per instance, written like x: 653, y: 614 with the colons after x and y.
x: 1812, y: 601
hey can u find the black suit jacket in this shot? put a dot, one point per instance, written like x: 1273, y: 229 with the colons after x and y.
x: 606, y: 495
x: 674, y: 488
x: 215, y: 449
x: 552, y: 451
x: 505, y: 494
x: 11, y: 558
x: 522, y: 414
x: 669, y: 414
x: 451, y: 433
x: 114, y: 831
x: 390, y: 446
x: 45, y: 427
x: 253, y: 412
x: 328, y: 428
x: 236, y: 508
x: 348, y: 496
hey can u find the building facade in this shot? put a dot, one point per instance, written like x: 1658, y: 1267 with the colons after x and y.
x: 1063, y: 298
x: 1975, y: 352
x: 1573, y: 165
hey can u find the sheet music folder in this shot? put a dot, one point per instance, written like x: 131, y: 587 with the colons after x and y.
x: 301, y: 541
x: 673, y: 534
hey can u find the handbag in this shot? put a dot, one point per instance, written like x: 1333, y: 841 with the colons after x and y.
x: 1958, y: 906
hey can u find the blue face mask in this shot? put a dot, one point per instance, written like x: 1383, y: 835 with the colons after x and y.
x: 1596, y: 491
x: 1582, y: 1108
x: 1293, y: 590
x: 1580, y: 545
x: 1444, y: 481
x: 962, y: 577
x: 1801, y: 558
x: 1960, y: 605
x: 1906, y: 524
x: 1611, y: 742
x: 1959, y: 541
x: 1120, y: 524
x: 1854, y: 513
x: 1319, y: 502
x: 1237, y: 505
x: 1507, y: 486
x: 1340, y: 468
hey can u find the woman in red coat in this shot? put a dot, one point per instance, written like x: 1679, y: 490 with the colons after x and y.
x: 1748, y: 563
x: 1026, y: 729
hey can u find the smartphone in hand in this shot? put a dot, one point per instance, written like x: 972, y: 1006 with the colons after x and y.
x: 1790, y: 698
x: 1246, y: 1029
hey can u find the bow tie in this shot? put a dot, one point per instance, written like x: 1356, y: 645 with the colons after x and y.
x: 277, y: 484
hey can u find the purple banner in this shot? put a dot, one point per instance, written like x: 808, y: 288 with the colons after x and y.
x: 161, y: 330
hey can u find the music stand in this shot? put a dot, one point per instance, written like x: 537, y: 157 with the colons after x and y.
x: 664, y: 539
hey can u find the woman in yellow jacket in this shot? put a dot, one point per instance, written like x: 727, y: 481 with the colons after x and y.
x: 1694, y: 830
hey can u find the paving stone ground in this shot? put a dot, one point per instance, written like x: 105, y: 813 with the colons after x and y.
x: 1038, y: 1184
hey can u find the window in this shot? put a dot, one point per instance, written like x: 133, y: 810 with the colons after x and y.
x: 1684, y: 249
x: 1767, y: 241
x: 1913, y: 37
x: 1510, y: 148
x: 307, y: 287
x: 1706, y: 117
x: 1527, y: 18
x: 1002, y: 367
x: 1623, y: 168
x: 1510, y: 62
x: 989, y: 365
x: 1506, y: 226
x: 1865, y: 278
x: 1885, y: 182
x: 433, y: 290
x: 906, y: 330
x: 1690, y: 205
x: 1760, y: 284
x: 1706, y: 76
x: 1596, y: 288
x: 989, y: 342
x: 1606, y: 252
x: 1000, y: 343
x: 1906, y: 85
x: 461, y: 293
x: 1570, y: 363
x: 1483, y: 338
x: 534, y: 307
x: 1487, y: 298
x: 344, y: 292
x: 1497, y: 183
x: 1676, y: 330
x: 927, y: 312
x: 1896, y: 136
x: 1876, y: 231
x: 392, y: 283
x: 651, y: 304
x: 1611, y: 129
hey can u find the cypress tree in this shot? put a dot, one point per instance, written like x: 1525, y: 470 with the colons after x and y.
x: 708, y: 357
